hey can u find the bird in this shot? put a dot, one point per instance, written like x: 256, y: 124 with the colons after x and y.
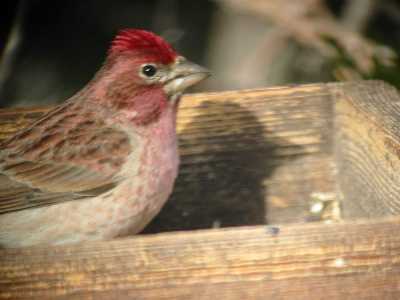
x: 102, y: 164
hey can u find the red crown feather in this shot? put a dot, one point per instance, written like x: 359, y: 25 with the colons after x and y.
x: 143, y: 41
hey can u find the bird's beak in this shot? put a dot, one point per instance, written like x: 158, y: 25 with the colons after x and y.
x: 184, y: 74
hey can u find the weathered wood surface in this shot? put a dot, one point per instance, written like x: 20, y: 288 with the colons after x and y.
x: 367, y: 151
x: 260, y: 156
x: 353, y: 260
x: 248, y: 157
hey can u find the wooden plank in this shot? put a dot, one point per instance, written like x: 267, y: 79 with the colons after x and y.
x: 248, y: 156
x: 367, y: 147
x: 350, y: 260
x: 241, y: 150
x: 275, y: 144
x: 257, y: 157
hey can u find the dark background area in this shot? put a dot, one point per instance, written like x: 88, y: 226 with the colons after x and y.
x: 64, y: 43
x: 60, y: 45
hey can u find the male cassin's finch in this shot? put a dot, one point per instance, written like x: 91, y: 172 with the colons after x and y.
x: 103, y: 163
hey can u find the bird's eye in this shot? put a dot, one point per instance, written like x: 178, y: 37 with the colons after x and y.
x: 149, y: 70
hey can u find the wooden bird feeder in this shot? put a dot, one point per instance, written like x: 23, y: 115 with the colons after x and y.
x: 296, y: 190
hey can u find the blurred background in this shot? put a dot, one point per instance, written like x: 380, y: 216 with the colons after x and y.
x: 50, y: 49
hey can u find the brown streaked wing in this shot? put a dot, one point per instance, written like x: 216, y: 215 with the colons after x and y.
x: 17, y: 196
x: 48, y: 168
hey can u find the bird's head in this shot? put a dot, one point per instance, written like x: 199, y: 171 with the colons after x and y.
x: 144, y: 75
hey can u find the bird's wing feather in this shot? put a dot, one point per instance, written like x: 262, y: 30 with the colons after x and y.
x: 69, y: 156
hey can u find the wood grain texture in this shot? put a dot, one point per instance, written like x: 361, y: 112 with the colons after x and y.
x: 275, y: 145
x: 367, y: 129
x: 248, y: 157
x: 353, y: 260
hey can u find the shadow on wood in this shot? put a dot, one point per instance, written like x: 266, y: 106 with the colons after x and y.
x: 224, y: 186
